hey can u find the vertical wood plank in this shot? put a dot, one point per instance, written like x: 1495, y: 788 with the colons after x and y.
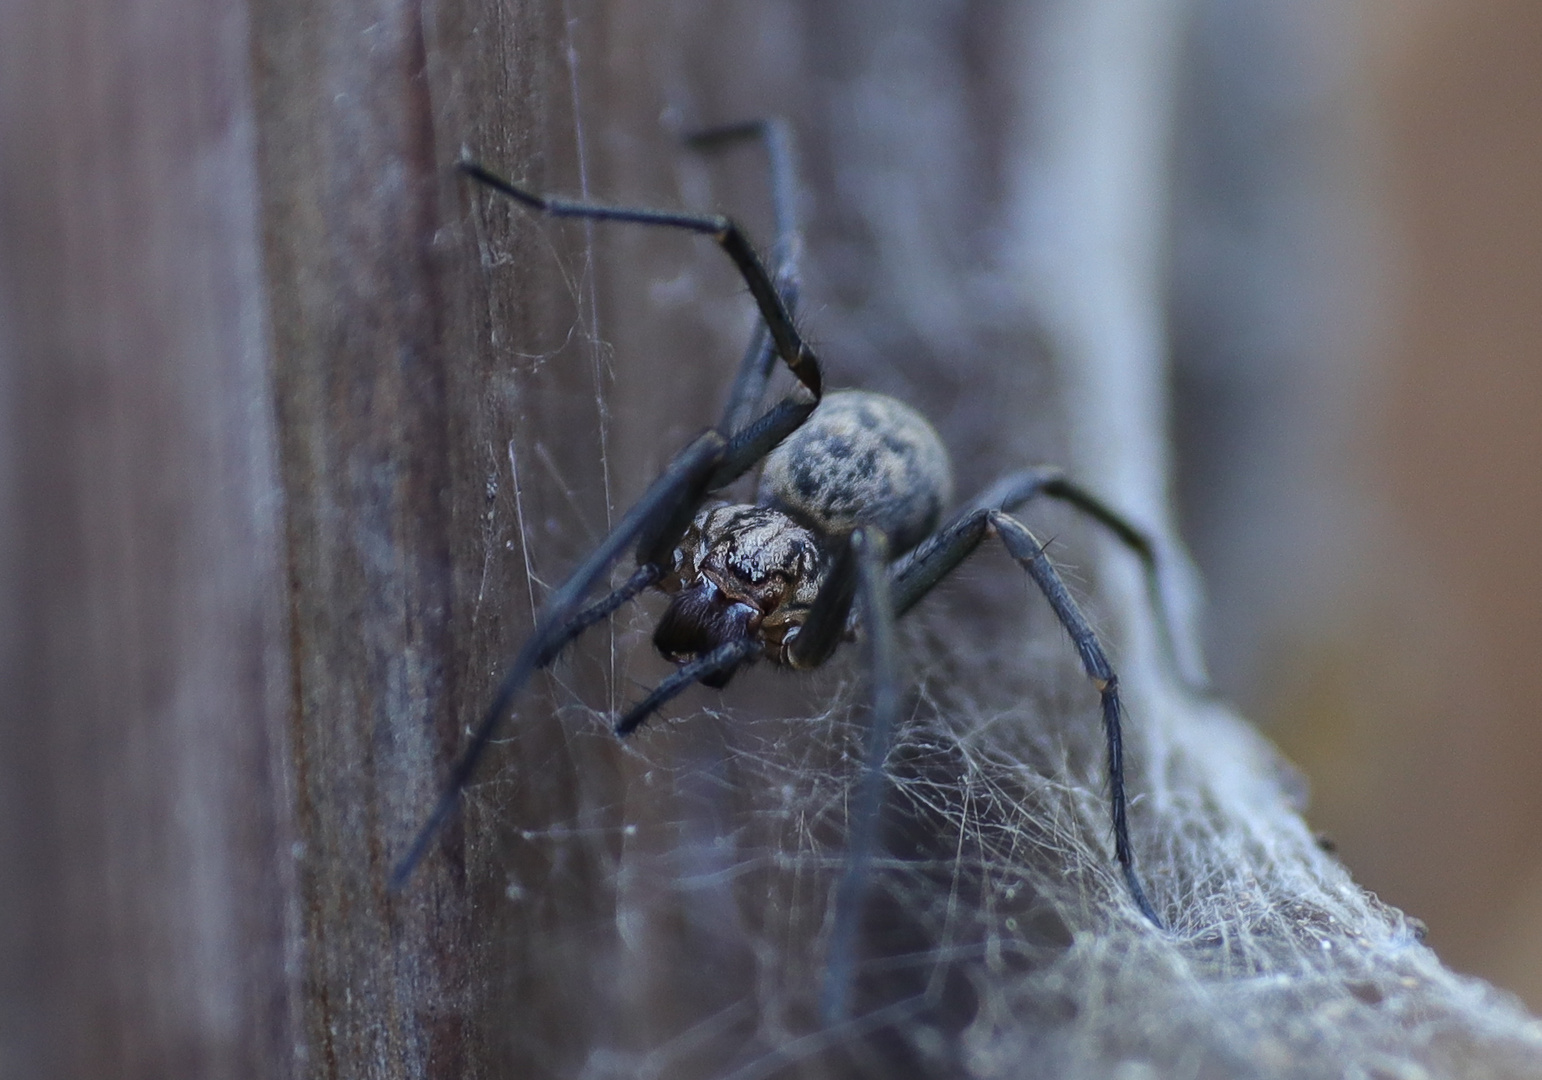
x: 145, y: 830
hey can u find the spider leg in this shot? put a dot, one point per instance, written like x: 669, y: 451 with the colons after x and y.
x: 752, y: 441
x: 864, y: 568
x: 946, y: 549
x: 786, y: 254
x: 753, y: 375
x: 774, y: 133
x: 790, y: 346
x: 644, y: 576
x: 756, y: 440
x: 725, y: 657
x: 1014, y: 491
x: 655, y: 524
x: 1029, y: 554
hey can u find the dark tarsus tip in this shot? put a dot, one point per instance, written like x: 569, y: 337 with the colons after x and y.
x: 481, y: 174
x: 724, y: 659
x: 707, y: 138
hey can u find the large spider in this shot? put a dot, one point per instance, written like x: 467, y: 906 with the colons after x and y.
x: 852, y: 489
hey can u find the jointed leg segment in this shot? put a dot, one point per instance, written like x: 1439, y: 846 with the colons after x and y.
x: 860, y: 575
x: 790, y: 345
x: 720, y: 661
x: 1029, y: 554
x: 945, y: 550
x: 749, y: 384
x: 1016, y: 489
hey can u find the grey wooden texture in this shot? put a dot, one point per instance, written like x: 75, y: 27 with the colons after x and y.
x: 148, y: 887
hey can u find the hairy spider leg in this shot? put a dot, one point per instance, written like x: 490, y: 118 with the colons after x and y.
x: 754, y: 371
x: 776, y: 136
x: 756, y: 439
x: 1029, y: 554
x: 945, y: 550
x: 865, y: 562
x: 790, y: 346
x: 1016, y: 489
x: 724, y: 658
x: 655, y: 523
x: 644, y: 576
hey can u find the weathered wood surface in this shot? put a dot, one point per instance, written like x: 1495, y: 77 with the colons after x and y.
x: 148, y: 884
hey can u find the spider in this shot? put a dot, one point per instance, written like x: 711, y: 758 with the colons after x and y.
x: 842, y: 540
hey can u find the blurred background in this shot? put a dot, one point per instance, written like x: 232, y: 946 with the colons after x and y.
x: 1357, y: 350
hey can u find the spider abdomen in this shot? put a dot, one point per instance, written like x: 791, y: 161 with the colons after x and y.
x: 861, y: 459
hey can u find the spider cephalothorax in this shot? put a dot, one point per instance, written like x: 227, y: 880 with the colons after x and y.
x: 740, y: 571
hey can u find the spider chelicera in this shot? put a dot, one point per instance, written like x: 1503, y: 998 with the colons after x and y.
x: 842, y: 540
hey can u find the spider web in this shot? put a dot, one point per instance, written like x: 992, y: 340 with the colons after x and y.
x: 997, y: 930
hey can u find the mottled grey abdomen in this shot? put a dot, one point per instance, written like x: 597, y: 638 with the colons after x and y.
x: 861, y: 459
